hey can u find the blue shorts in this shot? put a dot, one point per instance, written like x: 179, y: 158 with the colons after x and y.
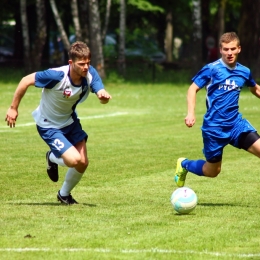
x: 216, y: 138
x: 60, y: 140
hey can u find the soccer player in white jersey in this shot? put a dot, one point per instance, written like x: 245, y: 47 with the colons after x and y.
x: 56, y: 118
x: 223, y: 124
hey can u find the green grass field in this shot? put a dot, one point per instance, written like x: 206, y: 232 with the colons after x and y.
x: 125, y: 211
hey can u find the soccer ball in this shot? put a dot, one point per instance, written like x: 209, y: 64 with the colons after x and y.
x: 184, y: 200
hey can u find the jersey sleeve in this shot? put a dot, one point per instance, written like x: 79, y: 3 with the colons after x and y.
x: 203, y: 77
x: 48, y: 78
x: 250, y: 82
x: 96, y: 82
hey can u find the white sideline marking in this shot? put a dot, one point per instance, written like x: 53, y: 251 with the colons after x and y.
x: 129, y: 251
x: 104, y: 115
x: 81, y: 118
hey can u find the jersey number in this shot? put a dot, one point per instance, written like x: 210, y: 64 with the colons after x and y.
x: 58, y: 144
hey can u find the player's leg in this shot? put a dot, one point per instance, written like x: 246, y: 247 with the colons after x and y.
x: 58, y: 144
x: 255, y: 148
x: 75, y: 173
x: 250, y: 142
x: 246, y: 137
x: 76, y: 157
x: 211, y: 167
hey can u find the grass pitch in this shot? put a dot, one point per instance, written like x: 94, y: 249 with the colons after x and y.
x: 125, y: 211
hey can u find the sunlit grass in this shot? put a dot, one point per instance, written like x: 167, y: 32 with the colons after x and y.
x: 124, y: 210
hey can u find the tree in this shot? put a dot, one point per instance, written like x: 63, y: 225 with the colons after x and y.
x: 97, y: 58
x: 107, y: 16
x: 26, y: 40
x: 83, y: 17
x: 221, y: 17
x: 75, y: 18
x: 40, y: 37
x: 33, y: 52
x: 121, y: 51
x: 59, y: 23
x: 197, y: 36
x: 169, y: 36
x: 250, y: 38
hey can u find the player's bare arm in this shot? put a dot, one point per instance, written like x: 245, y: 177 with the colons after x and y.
x: 255, y: 90
x: 103, y: 96
x: 191, y: 103
x: 12, y: 112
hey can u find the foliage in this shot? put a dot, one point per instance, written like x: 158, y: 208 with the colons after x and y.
x: 146, y: 6
x: 124, y: 210
x: 148, y: 16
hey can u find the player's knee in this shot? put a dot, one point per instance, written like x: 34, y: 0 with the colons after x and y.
x: 73, y: 161
x: 213, y: 175
x: 84, y: 163
x: 213, y: 172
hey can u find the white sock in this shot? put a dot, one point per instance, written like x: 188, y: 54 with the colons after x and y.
x: 72, y: 178
x: 54, y: 159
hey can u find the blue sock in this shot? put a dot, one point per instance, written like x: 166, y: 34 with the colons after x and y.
x: 194, y: 166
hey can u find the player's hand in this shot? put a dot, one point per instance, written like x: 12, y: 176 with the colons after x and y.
x: 11, y: 116
x: 103, y: 96
x: 189, y: 120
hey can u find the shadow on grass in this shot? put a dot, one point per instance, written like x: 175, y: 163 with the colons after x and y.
x: 221, y: 205
x: 50, y: 204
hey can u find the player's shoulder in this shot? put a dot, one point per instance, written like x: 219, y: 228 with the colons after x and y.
x: 92, y: 71
x: 215, y: 64
x: 64, y: 68
x: 59, y: 72
x: 242, y: 67
x: 92, y: 75
x: 53, y: 73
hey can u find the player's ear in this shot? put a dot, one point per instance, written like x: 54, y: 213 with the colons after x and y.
x: 239, y: 49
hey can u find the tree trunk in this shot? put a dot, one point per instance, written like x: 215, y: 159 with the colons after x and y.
x: 26, y: 40
x: 196, y: 58
x: 104, y: 32
x: 221, y: 18
x: 249, y: 34
x: 96, y: 47
x: 83, y: 14
x: 121, y: 51
x: 41, y: 34
x: 62, y: 32
x: 75, y: 17
x: 207, y: 30
x: 169, y: 37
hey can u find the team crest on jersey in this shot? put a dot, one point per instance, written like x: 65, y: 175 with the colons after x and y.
x: 67, y: 92
x: 229, y: 85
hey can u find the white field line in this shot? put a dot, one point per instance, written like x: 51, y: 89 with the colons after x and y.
x: 81, y: 118
x: 130, y: 251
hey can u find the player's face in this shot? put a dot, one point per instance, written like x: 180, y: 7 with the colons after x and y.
x: 80, y: 67
x: 229, y: 52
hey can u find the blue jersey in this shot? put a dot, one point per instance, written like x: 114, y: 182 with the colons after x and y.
x: 223, y: 85
x: 60, y: 96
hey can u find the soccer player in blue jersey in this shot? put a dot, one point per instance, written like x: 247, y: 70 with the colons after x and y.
x: 63, y: 88
x: 223, y: 124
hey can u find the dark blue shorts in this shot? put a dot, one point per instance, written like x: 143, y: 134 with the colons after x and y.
x: 216, y: 138
x: 60, y: 140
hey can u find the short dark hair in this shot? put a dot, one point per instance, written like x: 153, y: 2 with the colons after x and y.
x: 79, y: 50
x: 229, y: 37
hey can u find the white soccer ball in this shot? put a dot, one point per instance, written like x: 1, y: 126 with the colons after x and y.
x: 184, y: 200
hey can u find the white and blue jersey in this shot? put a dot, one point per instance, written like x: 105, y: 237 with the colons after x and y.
x: 60, y: 96
x: 223, y: 124
x: 223, y: 86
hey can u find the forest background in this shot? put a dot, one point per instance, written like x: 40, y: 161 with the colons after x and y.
x: 179, y: 34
